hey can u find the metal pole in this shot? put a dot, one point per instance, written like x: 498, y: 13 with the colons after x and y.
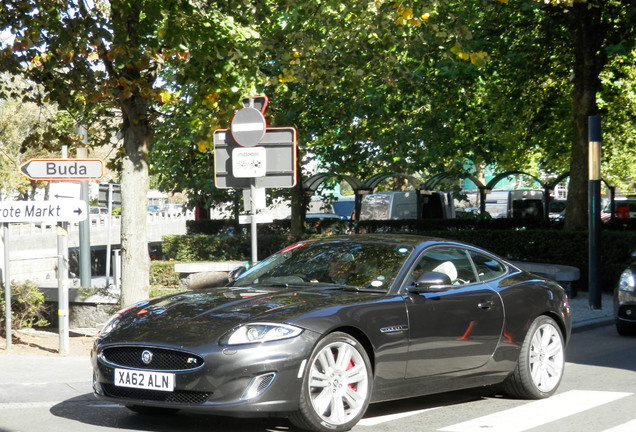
x: 62, y: 286
x: 109, y: 201
x: 7, y: 286
x: 85, y: 225
x: 62, y: 279
x: 594, y: 197
x: 253, y: 230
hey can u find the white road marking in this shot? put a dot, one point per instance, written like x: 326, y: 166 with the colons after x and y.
x: 625, y: 427
x: 538, y: 413
x: 26, y: 405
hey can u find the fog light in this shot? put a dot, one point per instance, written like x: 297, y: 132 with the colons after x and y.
x: 258, y: 385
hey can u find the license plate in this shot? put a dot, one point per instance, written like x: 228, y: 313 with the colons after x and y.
x: 144, y: 380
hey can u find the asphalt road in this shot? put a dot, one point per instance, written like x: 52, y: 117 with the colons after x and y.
x: 597, y: 394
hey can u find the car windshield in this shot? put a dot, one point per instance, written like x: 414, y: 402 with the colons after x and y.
x: 344, y: 264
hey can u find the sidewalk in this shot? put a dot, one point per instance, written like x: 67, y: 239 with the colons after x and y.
x: 50, y: 379
x: 584, y: 318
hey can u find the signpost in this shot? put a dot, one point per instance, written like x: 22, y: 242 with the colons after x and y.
x: 252, y: 156
x: 63, y: 169
x: 43, y: 211
x: 65, y: 208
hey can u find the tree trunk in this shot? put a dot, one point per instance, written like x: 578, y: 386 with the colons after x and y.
x: 587, y: 35
x: 135, y: 262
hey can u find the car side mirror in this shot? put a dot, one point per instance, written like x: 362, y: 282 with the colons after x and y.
x: 432, y: 281
x: 234, y: 274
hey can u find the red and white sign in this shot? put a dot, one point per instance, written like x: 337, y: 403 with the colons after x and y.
x: 248, y: 127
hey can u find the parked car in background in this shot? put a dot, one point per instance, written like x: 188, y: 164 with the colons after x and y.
x: 625, y: 300
x: 173, y: 209
x: 557, y: 209
x: 403, y: 205
x: 98, y: 213
x: 518, y: 204
x: 324, y: 327
x: 154, y: 209
x: 344, y: 206
x: 625, y: 208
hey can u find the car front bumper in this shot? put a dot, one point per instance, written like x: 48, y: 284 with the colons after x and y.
x: 251, y: 379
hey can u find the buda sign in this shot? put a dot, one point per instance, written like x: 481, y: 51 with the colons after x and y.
x: 63, y: 169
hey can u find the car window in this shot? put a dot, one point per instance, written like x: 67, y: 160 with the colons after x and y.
x: 365, y: 264
x: 487, y: 267
x: 452, y: 261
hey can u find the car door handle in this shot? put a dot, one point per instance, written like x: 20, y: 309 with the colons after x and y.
x: 486, y: 304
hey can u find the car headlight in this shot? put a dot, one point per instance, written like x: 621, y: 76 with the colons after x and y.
x: 260, y: 332
x: 627, y: 281
x: 114, y: 321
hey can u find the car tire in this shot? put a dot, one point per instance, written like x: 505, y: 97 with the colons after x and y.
x: 541, y: 362
x: 625, y: 329
x: 336, y: 387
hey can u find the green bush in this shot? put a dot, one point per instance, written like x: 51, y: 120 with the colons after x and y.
x: 517, y: 240
x: 162, y: 274
x: 27, y: 306
x: 219, y: 247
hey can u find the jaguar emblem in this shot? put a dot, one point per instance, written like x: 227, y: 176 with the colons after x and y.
x: 146, y: 357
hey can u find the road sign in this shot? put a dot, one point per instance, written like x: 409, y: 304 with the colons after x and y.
x: 65, y: 190
x: 280, y: 160
x: 258, y: 218
x: 67, y: 210
x: 63, y: 169
x: 248, y: 127
x: 249, y: 162
x: 114, y: 189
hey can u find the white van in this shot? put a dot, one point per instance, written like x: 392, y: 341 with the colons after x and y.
x: 403, y: 205
x: 515, y: 203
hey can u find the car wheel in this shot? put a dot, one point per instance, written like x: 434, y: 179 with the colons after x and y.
x: 541, y: 362
x: 625, y: 329
x: 149, y: 410
x: 336, y: 385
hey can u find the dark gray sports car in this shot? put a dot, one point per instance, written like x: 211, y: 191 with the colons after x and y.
x: 324, y: 327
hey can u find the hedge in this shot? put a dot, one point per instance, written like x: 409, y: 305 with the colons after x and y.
x: 518, y: 240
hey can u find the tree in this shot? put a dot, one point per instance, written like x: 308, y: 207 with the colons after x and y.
x: 27, y: 129
x: 101, y: 61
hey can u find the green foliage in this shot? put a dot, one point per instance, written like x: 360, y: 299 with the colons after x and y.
x: 190, y: 248
x: 27, y: 306
x: 532, y: 242
x: 162, y: 274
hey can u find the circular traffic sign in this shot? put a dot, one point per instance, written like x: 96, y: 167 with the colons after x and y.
x: 248, y: 127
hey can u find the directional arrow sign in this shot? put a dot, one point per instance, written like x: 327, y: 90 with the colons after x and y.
x: 70, y: 210
x: 63, y: 169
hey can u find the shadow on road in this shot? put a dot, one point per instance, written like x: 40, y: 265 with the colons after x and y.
x: 101, y: 414
x: 107, y: 415
x: 602, y: 347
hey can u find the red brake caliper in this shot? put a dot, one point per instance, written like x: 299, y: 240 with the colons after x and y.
x: 349, y: 367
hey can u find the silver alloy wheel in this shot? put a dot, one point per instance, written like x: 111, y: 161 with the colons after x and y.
x: 338, y: 383
x: 546, y: 357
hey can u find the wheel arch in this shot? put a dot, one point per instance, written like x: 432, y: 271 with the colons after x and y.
x: 361, y: 337
x: 561, y: 323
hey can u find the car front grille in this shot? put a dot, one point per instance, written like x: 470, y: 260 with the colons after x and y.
x: 160, y: 358
x: 179, y: 397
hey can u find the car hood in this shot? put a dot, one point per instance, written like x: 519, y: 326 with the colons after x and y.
x: 201, y: 317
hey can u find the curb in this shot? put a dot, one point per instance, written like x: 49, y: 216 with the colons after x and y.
x: 591, y: 324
